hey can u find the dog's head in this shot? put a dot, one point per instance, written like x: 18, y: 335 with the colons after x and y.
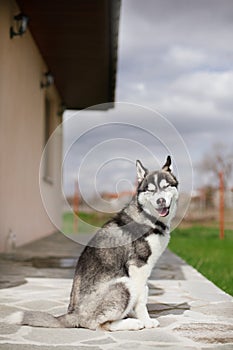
x: 157, y: 191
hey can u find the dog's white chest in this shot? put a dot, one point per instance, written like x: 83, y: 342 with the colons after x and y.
x: 158, y: 244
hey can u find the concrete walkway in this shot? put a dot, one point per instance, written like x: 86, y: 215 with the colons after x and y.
x: 193, y: 313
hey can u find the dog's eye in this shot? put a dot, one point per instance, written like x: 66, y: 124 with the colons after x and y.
x: 151, y: 188
x: 164, y: 187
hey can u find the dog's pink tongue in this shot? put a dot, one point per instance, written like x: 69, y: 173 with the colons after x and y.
x: 163, y: 211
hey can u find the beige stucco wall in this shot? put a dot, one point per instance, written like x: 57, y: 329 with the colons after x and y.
x: 22, y: 137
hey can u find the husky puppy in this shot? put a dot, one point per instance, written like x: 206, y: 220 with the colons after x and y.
x: 110, y: 283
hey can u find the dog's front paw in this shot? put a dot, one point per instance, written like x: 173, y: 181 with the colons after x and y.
x: 151, y: 323
x: 137, y: 325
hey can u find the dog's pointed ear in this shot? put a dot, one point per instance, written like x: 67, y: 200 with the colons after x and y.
x: 141, y: 171
x: 167, y: 165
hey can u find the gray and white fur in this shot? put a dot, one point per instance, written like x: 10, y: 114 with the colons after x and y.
x: 110, y: 283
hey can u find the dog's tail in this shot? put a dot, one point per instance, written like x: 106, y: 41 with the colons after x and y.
x: 43, y: 319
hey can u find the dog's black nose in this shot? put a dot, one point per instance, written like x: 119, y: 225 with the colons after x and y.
x: 161, y: 201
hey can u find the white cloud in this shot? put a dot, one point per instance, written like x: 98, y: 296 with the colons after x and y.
x: 140, y: 87
x: 185, y: 57
x: 205, y: 85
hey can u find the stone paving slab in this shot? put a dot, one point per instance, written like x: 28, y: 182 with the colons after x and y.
x: 193, y: 313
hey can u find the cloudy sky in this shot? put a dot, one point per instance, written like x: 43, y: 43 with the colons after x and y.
x: 175, y: 57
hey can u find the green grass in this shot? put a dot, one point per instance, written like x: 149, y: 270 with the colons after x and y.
x: 201, y: 247
x: 87, y: 222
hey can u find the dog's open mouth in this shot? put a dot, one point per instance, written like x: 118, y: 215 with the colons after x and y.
x: 163, y: 211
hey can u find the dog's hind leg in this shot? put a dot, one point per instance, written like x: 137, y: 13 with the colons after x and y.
x: 112, y: 303
x: 142, y: 319
x: 130, y: 324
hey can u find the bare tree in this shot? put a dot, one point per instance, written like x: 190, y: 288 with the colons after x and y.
x: 220, y: 158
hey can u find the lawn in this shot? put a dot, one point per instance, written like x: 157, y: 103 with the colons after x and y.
x: 87, y: 222
x: 199, y: 246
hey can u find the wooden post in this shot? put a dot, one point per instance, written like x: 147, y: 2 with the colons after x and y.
x: 75, y: 207
x: 221, y: 205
